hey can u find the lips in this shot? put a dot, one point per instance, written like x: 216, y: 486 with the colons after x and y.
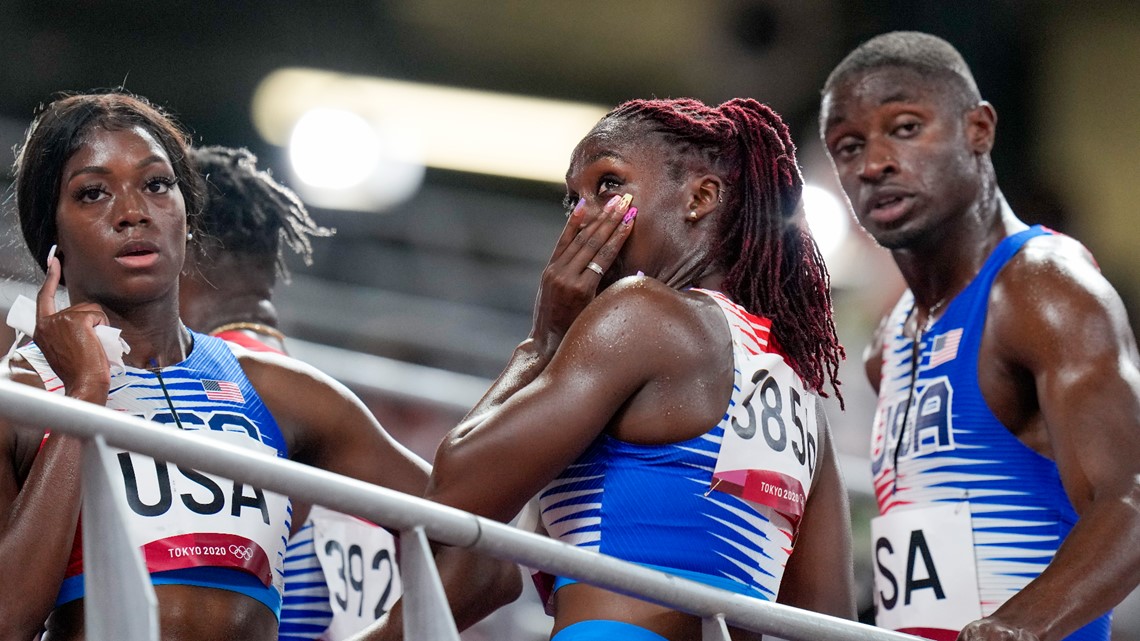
x: 887, y: 204
x: 137, y: 253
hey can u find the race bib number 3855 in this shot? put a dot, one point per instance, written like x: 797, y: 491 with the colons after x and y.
x: 769, y: 450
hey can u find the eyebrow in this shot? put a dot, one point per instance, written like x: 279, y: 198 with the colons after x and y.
x: 601, y: 155
x: 101, y: 170
x: 605, y: 154
x: 897, y: 97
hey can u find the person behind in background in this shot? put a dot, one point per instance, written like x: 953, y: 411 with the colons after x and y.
x: 1006, y: 444
x: 231, y: 270
x: 674, y: 420
x: 227, y: 291
x: 107, y: 178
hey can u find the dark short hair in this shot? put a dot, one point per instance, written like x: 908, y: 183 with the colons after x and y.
x: 59, y: 130
x: 928, y: 55
x: 248, y: 212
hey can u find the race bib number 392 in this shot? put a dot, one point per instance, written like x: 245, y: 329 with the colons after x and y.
x: 359, y: 563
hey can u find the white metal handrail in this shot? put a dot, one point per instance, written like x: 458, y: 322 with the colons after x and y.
x: 415, y: 517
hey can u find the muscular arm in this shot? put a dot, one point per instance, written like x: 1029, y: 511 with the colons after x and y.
x: 328, y: 427
x: 39, y: 507
x: 1056, y: 322
x: 606, y: 357
x: 566, y: 289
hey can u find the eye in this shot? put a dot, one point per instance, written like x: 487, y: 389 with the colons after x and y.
x: 89, y: 193
x: 160, y: 184
x: 908, y: 129
x: 608, y: 182
x: 846, y: 147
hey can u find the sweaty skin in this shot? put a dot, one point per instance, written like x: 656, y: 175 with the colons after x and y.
x: 617, y: 364
x: 122, y: 235
x: 1058, y: 364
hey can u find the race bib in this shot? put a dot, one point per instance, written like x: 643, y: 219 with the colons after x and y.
x: 359, y: 563
x: 182, y: 518
x: 769, y: 450
x: 926, y: 580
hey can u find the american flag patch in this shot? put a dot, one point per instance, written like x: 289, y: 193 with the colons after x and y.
x: 945, y: 347
x: 222, y: 391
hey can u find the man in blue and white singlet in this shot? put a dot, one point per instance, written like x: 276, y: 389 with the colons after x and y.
x: 1006, y: 445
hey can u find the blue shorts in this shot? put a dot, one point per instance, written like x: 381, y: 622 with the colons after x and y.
x: 600, y: 630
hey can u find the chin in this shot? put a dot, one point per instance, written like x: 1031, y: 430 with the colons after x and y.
x: 896, y: 237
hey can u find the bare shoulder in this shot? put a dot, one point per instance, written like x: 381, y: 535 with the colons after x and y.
x: 653, y: 310
x: 302, y: 399
x: 327, y: 426
x: 1053, y: 260
x: 1053, y: 290
x: 638, y: 291
x: 645, y: 329
x: 269, y: 371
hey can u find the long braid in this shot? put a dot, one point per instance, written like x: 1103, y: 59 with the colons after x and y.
x: 771, y: 263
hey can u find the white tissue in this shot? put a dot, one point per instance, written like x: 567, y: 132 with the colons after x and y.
x: 22, y: 315
x: 22, y: 318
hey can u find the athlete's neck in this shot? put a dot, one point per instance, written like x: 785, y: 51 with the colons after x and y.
x: 937, y: 271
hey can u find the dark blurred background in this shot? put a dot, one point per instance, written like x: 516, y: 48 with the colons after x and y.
x: 417, y: 303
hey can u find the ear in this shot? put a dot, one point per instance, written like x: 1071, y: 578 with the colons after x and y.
x: 981, y: 126
x: 706, y: 193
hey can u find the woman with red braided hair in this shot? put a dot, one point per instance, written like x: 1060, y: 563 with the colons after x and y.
x: 665, y: 407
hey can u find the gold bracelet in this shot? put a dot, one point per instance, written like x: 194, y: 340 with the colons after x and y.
x: 257, y: 328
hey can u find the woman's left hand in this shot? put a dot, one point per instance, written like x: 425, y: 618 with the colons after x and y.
x: 584, y: 253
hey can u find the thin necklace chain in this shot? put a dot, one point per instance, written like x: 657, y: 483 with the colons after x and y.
x: 916, y: 354
x: 931, y: 316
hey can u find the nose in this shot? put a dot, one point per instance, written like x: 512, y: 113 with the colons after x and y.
x: 878, y: 161
x: 132, y: 211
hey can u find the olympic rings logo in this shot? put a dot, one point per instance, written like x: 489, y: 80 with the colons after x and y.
x: 241, y: 552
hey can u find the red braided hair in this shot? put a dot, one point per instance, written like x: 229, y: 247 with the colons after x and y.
x: 771, y: 263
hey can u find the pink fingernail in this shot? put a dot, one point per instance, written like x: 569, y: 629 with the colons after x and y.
x: 613, y: 201
x: 629, y: 216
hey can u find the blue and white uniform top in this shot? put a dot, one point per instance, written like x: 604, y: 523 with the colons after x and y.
x: 685, y: 507
x: 194, y: 528
x: 970, y: 514
x: 340, y: 572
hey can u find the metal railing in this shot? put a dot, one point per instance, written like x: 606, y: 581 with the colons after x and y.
x: 118, y: 581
